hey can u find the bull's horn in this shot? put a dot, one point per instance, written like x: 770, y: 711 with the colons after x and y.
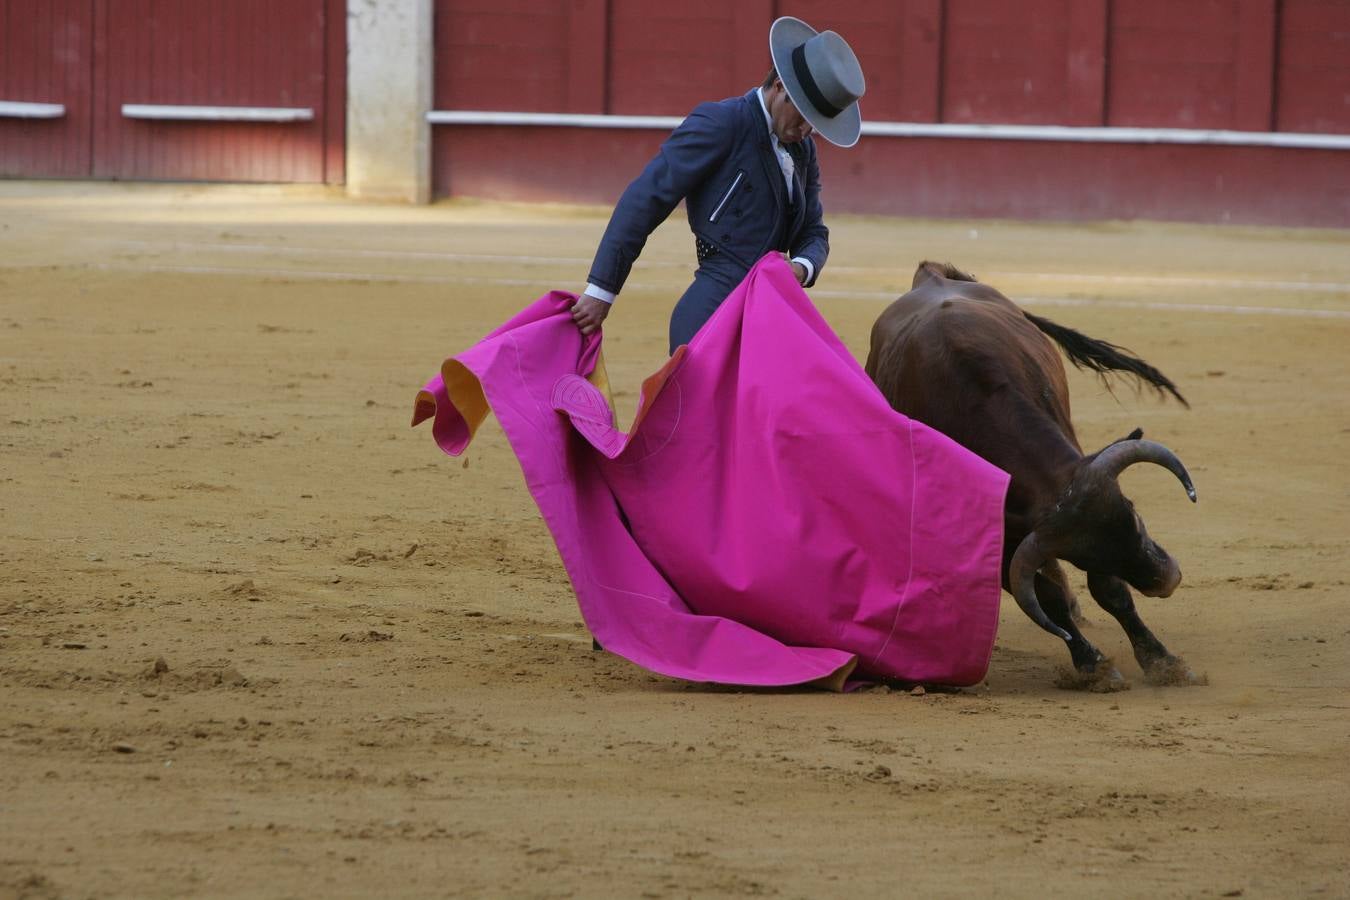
x: 1022, y: 579
x: 1122, y: 454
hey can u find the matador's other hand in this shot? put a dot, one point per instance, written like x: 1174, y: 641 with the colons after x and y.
x: 589, y: 313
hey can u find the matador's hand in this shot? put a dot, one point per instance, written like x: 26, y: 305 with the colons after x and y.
x: 589, y: 313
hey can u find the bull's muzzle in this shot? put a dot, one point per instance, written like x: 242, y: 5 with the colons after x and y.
x: 1169, y: 577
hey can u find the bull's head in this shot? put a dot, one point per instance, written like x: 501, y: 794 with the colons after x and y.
x: 1095, y: 527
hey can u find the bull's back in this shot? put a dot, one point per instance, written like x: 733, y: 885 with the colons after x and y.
x: 962, y: 358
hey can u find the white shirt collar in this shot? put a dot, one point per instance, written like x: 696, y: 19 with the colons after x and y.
x: 768, y: 119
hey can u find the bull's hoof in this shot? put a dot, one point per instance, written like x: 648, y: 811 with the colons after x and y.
x: 1172, y: 671
x: 1100, y: 678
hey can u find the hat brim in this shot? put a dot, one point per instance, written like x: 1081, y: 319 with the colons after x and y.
x: 786, y: 35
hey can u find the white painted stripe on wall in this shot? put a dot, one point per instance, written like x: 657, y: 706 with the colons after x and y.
x: 1082, y: 134
x: 16, y: 109
x: 566, y: 120
x: 543, y: 284
x: 216, y: 113
x: 1105, y: 135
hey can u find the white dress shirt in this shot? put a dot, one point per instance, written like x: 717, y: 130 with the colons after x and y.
x: 788, y: 166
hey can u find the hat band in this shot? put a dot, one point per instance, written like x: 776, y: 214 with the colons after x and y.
x: 808, y: 83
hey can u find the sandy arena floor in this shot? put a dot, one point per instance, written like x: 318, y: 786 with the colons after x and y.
x: 258, y: 638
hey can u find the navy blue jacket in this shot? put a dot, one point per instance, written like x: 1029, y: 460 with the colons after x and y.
x: 721, y: 163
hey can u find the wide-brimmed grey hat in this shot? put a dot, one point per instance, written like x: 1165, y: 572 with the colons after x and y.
x: 822, y: 77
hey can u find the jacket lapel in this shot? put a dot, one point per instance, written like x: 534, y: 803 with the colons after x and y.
x: 798, y: 186
x: 765, y: 147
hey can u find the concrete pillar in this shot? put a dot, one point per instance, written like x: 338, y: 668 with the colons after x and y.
x: 389, y: 72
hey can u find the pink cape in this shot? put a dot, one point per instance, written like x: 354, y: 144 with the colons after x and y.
x: 769, y: 519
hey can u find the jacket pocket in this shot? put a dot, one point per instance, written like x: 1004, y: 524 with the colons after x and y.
x: 722, y: 204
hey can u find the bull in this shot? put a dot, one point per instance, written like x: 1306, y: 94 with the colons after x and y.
x: 962, y: 358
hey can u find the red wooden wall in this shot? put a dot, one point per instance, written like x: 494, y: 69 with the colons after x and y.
x: 95, y: 55
x: 1004, y: 62
x: 1255, y: 65
x: 46, y: 51
x: 1251, y: 65
x: 494, y: 52
x: 1313, y: 77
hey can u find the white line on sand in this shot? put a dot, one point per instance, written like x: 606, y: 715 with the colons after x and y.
x: 1131, y: 304
x: 273, y: 250
x: 311, y: 275
x: 1330, y: 287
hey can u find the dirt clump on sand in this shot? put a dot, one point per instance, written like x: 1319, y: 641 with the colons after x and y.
x: 1174, y: 673
x: 1105, y: 679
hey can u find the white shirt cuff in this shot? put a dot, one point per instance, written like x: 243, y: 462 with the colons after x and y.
x: 806, y: 264
x: 599, y: 293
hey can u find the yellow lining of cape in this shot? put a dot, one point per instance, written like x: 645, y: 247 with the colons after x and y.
x: 466, y: 391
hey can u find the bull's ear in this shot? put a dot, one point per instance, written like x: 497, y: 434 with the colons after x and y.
x: 1132, y: 436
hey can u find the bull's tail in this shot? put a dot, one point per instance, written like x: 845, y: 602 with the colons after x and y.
x: 1104, y: 358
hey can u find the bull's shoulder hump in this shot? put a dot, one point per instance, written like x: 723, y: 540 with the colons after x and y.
x: 970, y: 301
x: 974, y: 293
x: 942, y: 310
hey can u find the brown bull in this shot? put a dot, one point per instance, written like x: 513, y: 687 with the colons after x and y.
x: 960, y: 357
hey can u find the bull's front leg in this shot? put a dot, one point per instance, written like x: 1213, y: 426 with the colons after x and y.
x: 1090, y: 663
x: 1159, y: 665
x: 1055, y: 572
